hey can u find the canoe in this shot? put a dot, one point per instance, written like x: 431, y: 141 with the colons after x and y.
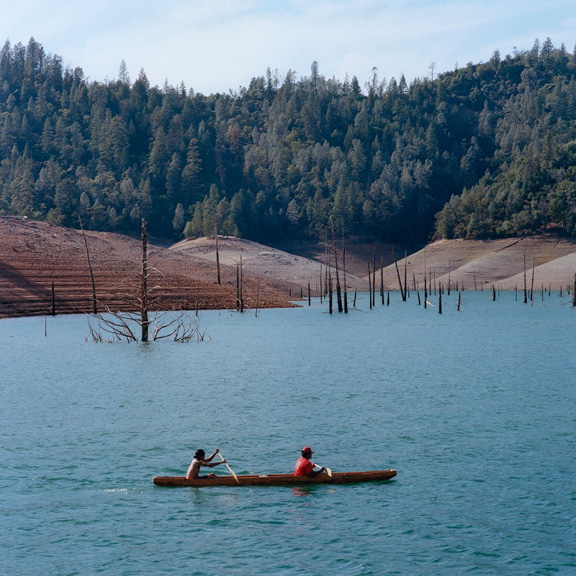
x: 277, y: 479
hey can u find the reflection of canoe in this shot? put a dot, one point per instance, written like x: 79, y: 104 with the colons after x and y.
x: 277, y: 479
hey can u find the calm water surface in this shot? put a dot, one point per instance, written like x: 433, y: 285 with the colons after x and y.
x: 475, y: 409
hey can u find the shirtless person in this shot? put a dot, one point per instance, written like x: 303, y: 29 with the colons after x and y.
x: 200, y: 460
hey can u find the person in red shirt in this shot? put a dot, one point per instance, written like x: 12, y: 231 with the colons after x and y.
x: 304, y: 467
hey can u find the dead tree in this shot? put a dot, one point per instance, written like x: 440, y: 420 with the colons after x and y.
x: 525, y: 284
x: 338, y: 288
x: 218, y: 278
x: 402, y: 290
x: 369, y: 286
x: 344, y: 273
x: 440, y: 299
x: 94, y: 299
x: 144, y: 321
x: 137, y: 325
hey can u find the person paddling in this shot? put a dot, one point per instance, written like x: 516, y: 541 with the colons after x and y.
x: 306, y: 468
x: 200, y: 460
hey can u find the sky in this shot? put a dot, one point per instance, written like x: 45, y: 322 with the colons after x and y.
x: 220, y: 45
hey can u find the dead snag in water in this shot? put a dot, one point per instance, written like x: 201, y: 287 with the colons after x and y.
x: 53, y: 300
x: 493, y: 293
x: 218, y: 278
x: 344, y: 272
x: 459, y: 300
x: 374, y: 275
x: 525, y: 283
x: 144, y: 321
x: 532, y: 282
x: 338, y: 288
x: 239, y: 287
x: 122, y: 326
x: 574, y: 293
x: 309, y: 296
x: 402, y: 291
x: 425, y: 293
x: 405, y: 274
x: 94, y: 300
x: 382, y: 280
x: 330, y: 293
x: 439, y: 298
x: 369, y: 286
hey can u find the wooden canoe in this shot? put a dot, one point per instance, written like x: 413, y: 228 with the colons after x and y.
x: 277, y: 479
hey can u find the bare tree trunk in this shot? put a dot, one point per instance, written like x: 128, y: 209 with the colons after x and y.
x: 382, y: 280
x: 398, y: 274
x: 219, y: 280
x: 241, y: 285
x: 374, y: 275
x: 330, y: 293
x: 525, y: 284
x: 53, y: 300
x: 369, y: 286
x: 94, y: 300
x: 405, y: 274
x: 532, y: 282
x: 145, y: 323
x: 439, y: 298
x: 344, y: 272
x: 574, y: 293
x: 338, y: 289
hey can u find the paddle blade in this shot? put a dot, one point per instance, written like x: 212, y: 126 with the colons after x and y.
x: 329, y: 472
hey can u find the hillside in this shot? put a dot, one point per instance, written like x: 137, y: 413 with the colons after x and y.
x: 483, y: 151
x: 33, y: 255
x: 477, y: 264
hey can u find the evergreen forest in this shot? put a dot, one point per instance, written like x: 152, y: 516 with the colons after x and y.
x: 486, y: 150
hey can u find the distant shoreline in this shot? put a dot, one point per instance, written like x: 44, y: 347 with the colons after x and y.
x: 34, y: 256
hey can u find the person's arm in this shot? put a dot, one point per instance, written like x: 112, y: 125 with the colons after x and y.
x: 316, y: 472
x: 211, y: 457
x: 212, y: 464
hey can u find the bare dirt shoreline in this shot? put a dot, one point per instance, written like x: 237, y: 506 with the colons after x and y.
x: 34, y: 256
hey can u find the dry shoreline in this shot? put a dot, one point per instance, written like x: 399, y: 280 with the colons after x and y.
x: 34, y: 256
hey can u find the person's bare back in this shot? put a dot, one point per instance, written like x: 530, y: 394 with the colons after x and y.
x: 198, y: 461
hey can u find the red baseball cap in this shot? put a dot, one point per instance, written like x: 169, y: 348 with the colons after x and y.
x: 307, y: 449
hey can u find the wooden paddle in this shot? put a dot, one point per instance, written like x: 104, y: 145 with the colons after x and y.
x: 232, y: 471
x: 328, y: 470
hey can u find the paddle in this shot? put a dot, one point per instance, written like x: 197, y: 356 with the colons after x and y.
x: 328, y: 470
x: 231, y: 471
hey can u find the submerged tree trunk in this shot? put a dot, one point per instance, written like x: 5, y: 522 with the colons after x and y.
x: 144, y: 321
x: 338, y: 289
x: 402, y: 289
x: 94, y: 300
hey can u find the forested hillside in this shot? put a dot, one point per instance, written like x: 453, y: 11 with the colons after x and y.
x: 486, y: 150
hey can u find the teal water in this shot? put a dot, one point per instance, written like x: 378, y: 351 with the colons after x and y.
x: 475, y: 409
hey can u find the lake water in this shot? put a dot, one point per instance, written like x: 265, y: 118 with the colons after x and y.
x: 475, y: 409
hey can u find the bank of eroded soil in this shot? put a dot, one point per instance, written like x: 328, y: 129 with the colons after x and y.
x: 34, y: 256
